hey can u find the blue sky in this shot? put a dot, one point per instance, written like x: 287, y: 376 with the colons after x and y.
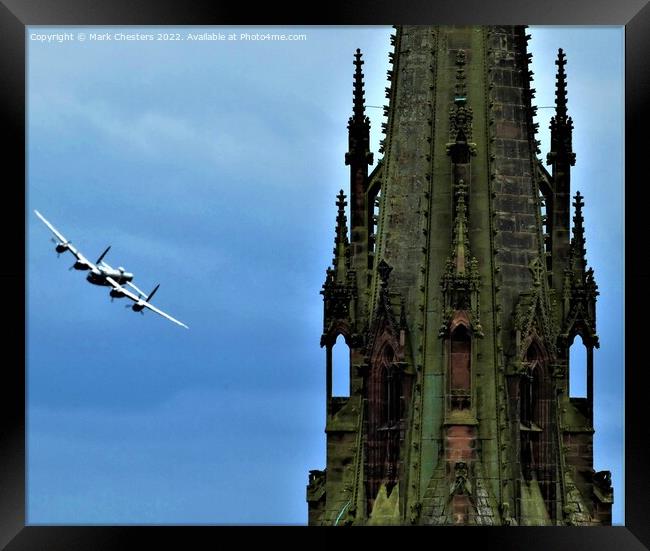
x: 212, y: 169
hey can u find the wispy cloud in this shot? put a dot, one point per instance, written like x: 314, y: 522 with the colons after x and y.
x: 224, y: 139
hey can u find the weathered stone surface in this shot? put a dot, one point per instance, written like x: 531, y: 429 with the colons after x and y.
x: 458, y: 302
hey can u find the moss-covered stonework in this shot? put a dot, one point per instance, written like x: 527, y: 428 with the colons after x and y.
x: 459, y: 299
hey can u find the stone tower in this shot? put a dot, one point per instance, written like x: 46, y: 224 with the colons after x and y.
x: 459, y: 285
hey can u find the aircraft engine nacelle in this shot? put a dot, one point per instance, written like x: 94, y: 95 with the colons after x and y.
x: 137, y: 307
x: 116, y: 294
x: 61, y: 248
x: 78, y: 265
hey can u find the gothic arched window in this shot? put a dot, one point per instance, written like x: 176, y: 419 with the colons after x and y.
x: 536, y: 442
x: 341, y: 368
x: 578, y: 368
x: 384, y: 416
x: 391, y: 391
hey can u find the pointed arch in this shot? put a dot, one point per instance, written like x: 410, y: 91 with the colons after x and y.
x: 577, y: 370
x: 385, y: 410
x: 339, y: 328
x: 532, y: 318
x: 580, y: 322
x: 536, y: 414
x: 341, y: 368
x: 387, y: 386
x: 580, y: 372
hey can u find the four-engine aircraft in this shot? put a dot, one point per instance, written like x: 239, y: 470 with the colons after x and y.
x: 100, y: 273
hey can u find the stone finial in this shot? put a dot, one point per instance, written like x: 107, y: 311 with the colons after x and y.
x: 578, y: 241
x: 461, y: 239
x: 560, y: 87
x: 358, y: 93
x: 561, y: 124
x: 341, y: 219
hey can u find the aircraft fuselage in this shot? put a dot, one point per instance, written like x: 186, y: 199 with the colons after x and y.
x: 100, y: 278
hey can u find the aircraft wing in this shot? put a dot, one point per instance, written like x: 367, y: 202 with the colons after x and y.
x: 80, y: 257
x: 143, y: 302
x: 122, y: 290
x: 163, y: 314
x: 134, y: 286
x: 56, y: 232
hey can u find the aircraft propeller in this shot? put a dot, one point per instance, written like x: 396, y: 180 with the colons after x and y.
x: 103, y: 255
x: 58, y: 254
x: 129, y: 306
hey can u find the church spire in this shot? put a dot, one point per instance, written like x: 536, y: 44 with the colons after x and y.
x: 359, y: 123
x: 460, y: 231
x: 558, y: 200
x: 358, y: 156
x: 561, y: 125
x: 358, y: 93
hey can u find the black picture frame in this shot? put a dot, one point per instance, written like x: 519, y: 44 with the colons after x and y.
x: 15, y: 15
